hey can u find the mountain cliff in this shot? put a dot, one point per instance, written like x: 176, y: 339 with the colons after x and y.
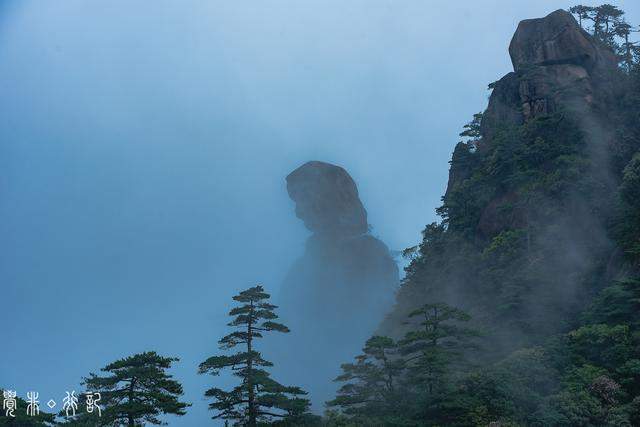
x: 332, y: 296
x: 524, y: 231
x: 520, y: 306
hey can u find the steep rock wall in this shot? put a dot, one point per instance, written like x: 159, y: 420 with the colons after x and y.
x: 524, y: 232
x: 333, y: 296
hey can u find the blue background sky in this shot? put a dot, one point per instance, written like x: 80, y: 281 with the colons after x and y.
x: 144, y: 145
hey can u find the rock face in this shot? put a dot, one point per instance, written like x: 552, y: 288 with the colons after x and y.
x: 327, y: 199
x: 556, y: 39
x: 556, y: 65
x: 515, y: 252
x: 334, y: 295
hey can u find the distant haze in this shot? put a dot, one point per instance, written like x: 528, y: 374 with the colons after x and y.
x: 144, y: 146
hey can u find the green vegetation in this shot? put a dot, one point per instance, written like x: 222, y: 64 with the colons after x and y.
x: 258, y: 399
x: 373, y: 384
x: 540, y: 244
x: 400, y: 383
x: 135, y: 391
x: 607, y: 24
x: 538, y: 248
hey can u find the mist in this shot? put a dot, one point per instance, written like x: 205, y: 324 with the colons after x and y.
x: 144, y: 148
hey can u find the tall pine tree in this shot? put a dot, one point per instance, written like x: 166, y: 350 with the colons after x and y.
x: 258, y: 398
x: 138, y: 390
x: 372, y: 390
x: 582, y: 12
x: 439, y: 341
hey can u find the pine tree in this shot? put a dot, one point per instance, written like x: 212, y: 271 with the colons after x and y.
x: 610, y: 28
x: 607, y: 16
x: 628, y: 50
x: 372, y: 384
x: 257, y: 398
x: 437, y: 344
x: 471, y: 131
x: 582, y: 12
x: 138, y: 390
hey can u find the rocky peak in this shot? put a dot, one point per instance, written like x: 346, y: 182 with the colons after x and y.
x: 557, y: 65
x: 327, y: 199
x: 335, y: 291
x: 557, y: 39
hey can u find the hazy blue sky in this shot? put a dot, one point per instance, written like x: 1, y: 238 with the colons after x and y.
x: 144, y: 145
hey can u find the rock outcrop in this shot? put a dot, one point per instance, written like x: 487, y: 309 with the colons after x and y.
x: 555, y: 40
x: 327, y: 199
x: 528, y: 201
x: 557, y: 65
x: 333, y: 296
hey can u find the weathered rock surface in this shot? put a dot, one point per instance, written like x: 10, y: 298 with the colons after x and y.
x: 501, y: 214
x: 504, y: 107
x: 334, y: 295
x: 556, y: 39
x: 558, y: 68
x: 327, y: 199
x: 557, y: 65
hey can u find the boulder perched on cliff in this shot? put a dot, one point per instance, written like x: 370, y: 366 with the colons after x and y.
x: 327, y: 199
x: 333, y: 296
x: 557, y: 39
x: 557, y: 65
x: 525, y: 230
